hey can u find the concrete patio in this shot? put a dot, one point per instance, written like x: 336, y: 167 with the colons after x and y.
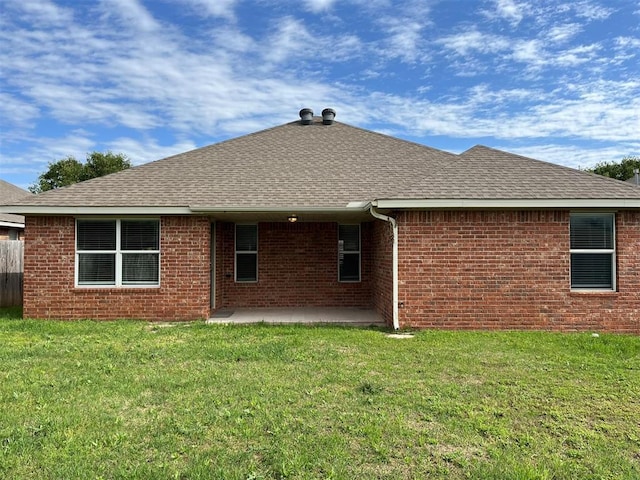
x: 361, y: 317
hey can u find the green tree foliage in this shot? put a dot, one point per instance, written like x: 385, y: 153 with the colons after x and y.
x: 619, y: 171
x: 69, y: 170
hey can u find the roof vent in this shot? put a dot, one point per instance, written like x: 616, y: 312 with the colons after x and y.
x: 328, y: 114
x: 306, y: 114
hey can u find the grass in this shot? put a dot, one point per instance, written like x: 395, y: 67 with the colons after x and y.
x: 134, y: 400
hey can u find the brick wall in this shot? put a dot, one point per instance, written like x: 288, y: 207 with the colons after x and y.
x: 489, y: 270
x: 509, y: 270
x: 49, y: 290
x: 297, y: 266
x: 382, y: 269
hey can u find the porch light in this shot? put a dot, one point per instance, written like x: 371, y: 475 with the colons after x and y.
x: 293, y: 218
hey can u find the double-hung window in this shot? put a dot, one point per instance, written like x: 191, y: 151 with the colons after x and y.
x: 246, y: 253
x: 349, y: 253
x: 593, y: 255
x: 118, y: 252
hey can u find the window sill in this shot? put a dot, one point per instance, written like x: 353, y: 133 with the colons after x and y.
x: 593, y: 293
x: 102, y: 288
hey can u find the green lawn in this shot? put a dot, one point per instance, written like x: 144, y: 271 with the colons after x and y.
x: 133, y: 400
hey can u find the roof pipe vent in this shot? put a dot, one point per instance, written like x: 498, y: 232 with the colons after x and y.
x: 328, y: 114
x: 306, y: 114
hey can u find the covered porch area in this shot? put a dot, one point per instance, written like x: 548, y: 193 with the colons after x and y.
x: 348, y: 316
x: 326, y: 267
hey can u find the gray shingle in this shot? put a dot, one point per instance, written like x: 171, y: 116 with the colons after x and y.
x: 9, y: 194
x: 318, y: 165
x: 486, y: 173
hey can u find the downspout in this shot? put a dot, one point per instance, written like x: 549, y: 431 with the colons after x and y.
x: 394, y: 227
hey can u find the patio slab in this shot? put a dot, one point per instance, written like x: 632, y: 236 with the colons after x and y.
x: 307, y: 315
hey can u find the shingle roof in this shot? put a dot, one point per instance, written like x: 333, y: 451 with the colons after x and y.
x: 9, y: 193
x: 327, y: 166
x: 486, y: 173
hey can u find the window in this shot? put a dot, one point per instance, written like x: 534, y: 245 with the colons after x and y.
x: 349, y: 253
x: 246, y: 253
x: 118, y: 252
x: 592, y: 251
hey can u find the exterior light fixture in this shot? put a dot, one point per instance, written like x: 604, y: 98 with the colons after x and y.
x: 293, y: 218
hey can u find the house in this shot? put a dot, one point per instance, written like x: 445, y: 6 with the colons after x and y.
x: 319, y: 213
x: 11, y: 226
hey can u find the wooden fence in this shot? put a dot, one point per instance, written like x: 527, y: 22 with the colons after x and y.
x: 11, y: 255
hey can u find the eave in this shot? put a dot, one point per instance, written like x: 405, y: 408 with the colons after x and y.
x: 471, y: 203
x: 4, y: 223
x: 93, y: 210
x: 352, y: 210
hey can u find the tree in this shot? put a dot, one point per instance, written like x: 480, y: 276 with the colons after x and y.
x: 100, y: 164
x: 68, y: 170
x: 619, y: 171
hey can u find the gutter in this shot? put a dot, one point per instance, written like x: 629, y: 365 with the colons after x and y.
x: 508, y: 203
x: 11, y: 224
x: 92, y: 210
x: 394, y: 227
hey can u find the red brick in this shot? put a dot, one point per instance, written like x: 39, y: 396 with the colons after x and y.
x: 509, y: 270
x: 49, y: 263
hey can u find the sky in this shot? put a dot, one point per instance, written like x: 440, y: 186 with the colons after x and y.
x: 554, y: 80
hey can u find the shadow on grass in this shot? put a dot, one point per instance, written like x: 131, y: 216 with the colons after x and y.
x: 10, y: 313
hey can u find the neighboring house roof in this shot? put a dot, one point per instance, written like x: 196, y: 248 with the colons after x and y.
x: 9, y: 193
x: 635, y: 180
x: 327, y: 167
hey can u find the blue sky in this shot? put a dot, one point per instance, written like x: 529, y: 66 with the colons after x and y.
x: 558, y: 81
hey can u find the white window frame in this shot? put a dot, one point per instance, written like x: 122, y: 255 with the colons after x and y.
x: 341, y: 252
x: 118, y: 256
x: 611, y: 251
x: 237, y: 252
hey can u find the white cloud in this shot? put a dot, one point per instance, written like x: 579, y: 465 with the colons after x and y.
x: 591, y: 11
x: 530, y: 52
x: 482, y: 95
x: 289, y: 40
x: 43, y: 150
x: 602, y: 111
x: 563, y: 33
x: 404, y: 40
x: 230, y: 39
x: 628, y: 42
x: 510, y: 11
x: 575, y: 156
x: 40, y: 12
x: 469, y: 42
x: 213, y: 8
x: 317, y: 6
x: 144, y: 80
x: 131, y: 12
x: 576, y: 56
x: 15, y: 112
x: 143, y: 151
